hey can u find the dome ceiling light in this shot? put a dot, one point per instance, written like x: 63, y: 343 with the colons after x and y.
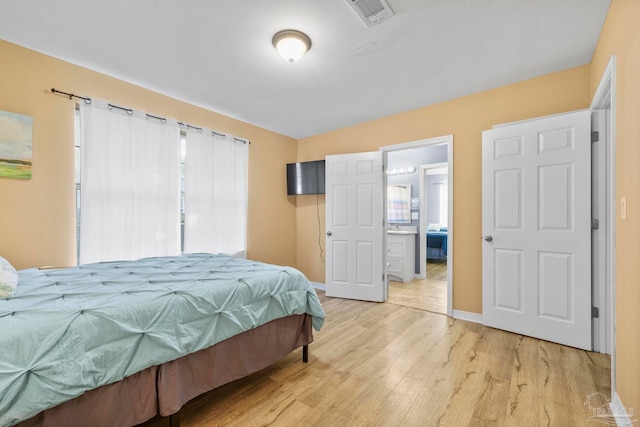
x: 291, y: 44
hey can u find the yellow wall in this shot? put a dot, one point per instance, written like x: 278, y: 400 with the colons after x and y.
x: 621, y: 37
x: 465, y: 118
x: 37, y: 216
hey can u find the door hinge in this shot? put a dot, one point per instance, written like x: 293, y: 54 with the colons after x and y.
x: 595, y: 312
x: 595, y: 136
x: 595, y: 224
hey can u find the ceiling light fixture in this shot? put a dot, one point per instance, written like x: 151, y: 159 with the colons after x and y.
x: 291, y: 44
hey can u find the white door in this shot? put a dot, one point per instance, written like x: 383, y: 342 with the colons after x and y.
x: 355, y: 227
x: 599, y: 250
x: 536, y: 220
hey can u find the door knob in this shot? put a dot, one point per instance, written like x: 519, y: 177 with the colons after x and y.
x: 329, y: 233
x: 488, y: 238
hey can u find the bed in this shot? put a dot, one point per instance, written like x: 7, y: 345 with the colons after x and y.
x: 118, y: 343
x: 437, y: 242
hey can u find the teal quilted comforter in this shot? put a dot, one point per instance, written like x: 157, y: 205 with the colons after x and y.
x: 71, y: 330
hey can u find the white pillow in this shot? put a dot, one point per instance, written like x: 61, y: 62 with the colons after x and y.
x: 8, y: 279
x: 433, y: 227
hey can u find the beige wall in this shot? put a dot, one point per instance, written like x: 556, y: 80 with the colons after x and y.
x: 621, y: 37
x: 37, y: 217
x: 465, y: 118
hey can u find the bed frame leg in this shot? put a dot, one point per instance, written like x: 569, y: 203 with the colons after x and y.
x: 174, y: 420
x: 305, y: 353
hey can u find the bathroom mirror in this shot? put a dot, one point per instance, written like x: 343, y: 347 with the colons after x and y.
x: 399, y: 204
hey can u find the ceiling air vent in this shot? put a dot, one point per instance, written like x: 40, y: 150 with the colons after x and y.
x: 372, y: 12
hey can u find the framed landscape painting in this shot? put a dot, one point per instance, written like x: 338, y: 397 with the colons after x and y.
x: 15, y: 145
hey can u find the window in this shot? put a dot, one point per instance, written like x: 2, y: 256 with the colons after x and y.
x: 146, y: 187
x: 215, y: 182
x: 444, y: 204
x: 78, y: 144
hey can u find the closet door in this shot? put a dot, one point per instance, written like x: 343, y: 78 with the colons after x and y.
x: 536, y: 220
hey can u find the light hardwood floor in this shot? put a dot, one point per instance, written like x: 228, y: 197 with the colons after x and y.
x: 381, y: 364
x: 425, y: 294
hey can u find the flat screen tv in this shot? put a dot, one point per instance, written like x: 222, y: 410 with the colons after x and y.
x: 305, y: 178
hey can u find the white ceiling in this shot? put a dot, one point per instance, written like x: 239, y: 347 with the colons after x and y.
x: 218, y: 54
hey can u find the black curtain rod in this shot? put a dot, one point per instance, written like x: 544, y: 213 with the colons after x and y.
x: 130, y: 112
x: 151, y: 116
x: 191, y: 126
x: 71, y: 95
x: 224, y: 135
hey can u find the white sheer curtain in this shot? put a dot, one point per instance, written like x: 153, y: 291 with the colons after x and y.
x: 216, y: 183
x: 130, y: 186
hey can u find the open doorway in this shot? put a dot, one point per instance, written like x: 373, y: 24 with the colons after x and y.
x: 429, y: 287
x: 434, y: 211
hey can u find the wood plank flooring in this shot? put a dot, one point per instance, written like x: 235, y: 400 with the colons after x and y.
x: 425, y: 294
x: 378, y: 364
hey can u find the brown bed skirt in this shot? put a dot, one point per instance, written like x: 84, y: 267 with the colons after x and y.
x: 164, y: 389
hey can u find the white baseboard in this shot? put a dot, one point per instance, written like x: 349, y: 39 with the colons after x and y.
x: 320, y: 286
x: 468, y: 316
x: 620, y: 412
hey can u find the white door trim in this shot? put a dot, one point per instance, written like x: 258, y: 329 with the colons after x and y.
x: 605, y: 98
x: 599, y: 265
x: 446, y: 139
